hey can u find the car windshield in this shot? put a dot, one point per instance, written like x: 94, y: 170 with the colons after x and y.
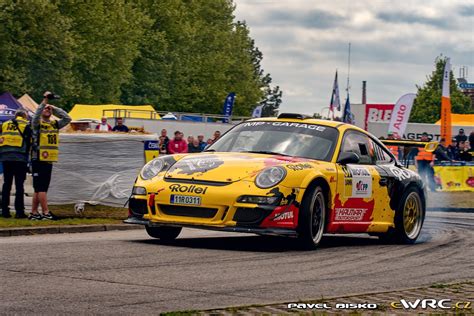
x: 284, y: 138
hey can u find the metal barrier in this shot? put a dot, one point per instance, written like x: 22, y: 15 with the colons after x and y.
x: 154, y: 115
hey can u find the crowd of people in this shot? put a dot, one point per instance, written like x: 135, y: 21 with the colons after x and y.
x: 178, y: 144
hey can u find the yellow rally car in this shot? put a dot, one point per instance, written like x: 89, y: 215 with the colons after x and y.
x: 292, y: 175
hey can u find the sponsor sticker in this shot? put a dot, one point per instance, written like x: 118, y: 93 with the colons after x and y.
x: 349, y: 214
x: 361, y: 182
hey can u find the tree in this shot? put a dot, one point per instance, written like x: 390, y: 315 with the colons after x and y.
x: 427, y: 105
x: 37, y: 50
x: 272, y: 102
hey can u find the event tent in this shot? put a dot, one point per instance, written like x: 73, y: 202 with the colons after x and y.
x: 460, y: 120
x: 8, y: 106
x: 28, y: 103
x: 86, y: 111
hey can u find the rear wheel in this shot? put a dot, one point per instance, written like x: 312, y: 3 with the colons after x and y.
x: 409, y: 218
x: 312, y: 218
x: 163, y: 232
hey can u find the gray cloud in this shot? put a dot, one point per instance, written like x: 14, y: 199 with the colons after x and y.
x: 313, y: 19
x: 414, y: 18
x: 467, y: 11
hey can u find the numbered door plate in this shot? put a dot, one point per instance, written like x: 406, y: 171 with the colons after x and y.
x: 185, y: 199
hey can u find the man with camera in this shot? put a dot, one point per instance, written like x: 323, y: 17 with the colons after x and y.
x: 45, y: 152
x: 15, y: 141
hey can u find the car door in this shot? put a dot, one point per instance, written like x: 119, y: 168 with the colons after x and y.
x: 359, y: 196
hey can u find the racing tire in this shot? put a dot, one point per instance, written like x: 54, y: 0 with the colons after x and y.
x: 409, y: 218
x: 312, y: 218
x: 165, y: 233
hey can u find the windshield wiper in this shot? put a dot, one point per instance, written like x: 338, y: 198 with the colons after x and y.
x: 265, y: 152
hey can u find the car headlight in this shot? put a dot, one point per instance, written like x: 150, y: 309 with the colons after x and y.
x: 139, y: 191
x: 152, y: 168
x: 270, y: 177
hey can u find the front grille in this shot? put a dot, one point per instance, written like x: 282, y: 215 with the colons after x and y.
x: 138, y: 206
x: 244, y: 215
x: 188, y: 211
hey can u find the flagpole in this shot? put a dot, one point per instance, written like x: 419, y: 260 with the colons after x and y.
x: 348, y: 69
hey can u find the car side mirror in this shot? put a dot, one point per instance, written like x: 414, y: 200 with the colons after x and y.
x: 347, y: 157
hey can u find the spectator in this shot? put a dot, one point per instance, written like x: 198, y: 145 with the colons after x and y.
x: 14, y: 151
x: 441, y: 152
x: 202, y: 143
x: 194, y: 146
x: 471, y: 141
x: 462, y: 153
x: 120, y: 127
x: 190, y: 139
x: 460, y: 137
x: 424, y: 163
x: 162, y: 145
x: 209, y: 141
x: 177, y: 145
x: 217, y: 135
x: 164, y: 141
x: 45, y: 153
x: 103, y: 126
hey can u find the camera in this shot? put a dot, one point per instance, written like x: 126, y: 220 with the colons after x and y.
x: 52, y: 96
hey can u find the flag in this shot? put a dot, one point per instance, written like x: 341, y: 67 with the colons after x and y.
x: 228, y: 106
x: 347, y: 116
x: 446, y: 105
x: 335, y: 100
x: 400, y: 115
x: 257, y: 112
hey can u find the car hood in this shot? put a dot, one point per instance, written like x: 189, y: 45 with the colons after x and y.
x: 225, y: 167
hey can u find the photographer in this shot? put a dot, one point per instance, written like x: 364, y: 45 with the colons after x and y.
x: 15, y: 141
x: 45, y: 151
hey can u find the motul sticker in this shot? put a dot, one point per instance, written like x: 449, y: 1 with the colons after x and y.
x: 349, y: 214
x: 361, y: 182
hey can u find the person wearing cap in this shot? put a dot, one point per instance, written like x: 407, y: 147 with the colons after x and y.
x: 460, y: 137
x: 15, y: 142
x: 424, y: 162
x: 45, y: 152
x: 103, y: 126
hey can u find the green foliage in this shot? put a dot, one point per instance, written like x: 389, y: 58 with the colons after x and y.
x: 427, y: 105
x: 178, y: 55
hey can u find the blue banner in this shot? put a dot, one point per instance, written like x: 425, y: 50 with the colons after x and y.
x: 347, y: 116
x: 228, y: 106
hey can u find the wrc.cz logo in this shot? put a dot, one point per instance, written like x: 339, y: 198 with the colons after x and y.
x: 430, y: 303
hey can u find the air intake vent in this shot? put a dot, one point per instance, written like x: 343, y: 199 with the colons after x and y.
x: 294, y: 116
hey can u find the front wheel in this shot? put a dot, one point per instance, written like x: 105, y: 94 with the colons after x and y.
x: 165, y: 233
x: 409, y: 218
x: 312, y: 218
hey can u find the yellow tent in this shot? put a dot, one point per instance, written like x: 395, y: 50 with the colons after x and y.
x: 86, y: 111
x: 460, y: 120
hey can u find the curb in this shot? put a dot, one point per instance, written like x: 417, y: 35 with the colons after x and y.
x: 38, y: 230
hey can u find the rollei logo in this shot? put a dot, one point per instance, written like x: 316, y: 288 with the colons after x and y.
x: 187, y: 189
x: 361, y: 186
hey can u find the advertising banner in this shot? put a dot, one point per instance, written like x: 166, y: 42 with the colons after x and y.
x: 446, y: 105
x: 455, y: 177
x: 377, y: 113
x: 400, y: 114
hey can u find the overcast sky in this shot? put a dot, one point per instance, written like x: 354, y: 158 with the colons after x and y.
x: 394, y: 45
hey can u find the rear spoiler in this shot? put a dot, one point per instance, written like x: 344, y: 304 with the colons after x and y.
x: 429, y: 146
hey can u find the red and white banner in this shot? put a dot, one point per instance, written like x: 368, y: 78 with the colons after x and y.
x: 377, y: 113
x: 400, y: 115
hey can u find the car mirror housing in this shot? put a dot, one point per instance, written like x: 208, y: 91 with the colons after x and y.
x: 347, y: 157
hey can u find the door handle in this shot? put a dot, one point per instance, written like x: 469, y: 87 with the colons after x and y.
x: 383, y: 182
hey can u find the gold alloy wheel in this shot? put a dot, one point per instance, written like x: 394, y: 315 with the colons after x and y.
x: 412, y: 215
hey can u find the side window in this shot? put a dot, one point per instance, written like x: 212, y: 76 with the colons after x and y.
x: 381, y: 156
x: 360, y: 144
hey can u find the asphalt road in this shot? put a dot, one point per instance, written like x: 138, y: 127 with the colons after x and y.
x: 126, y: 272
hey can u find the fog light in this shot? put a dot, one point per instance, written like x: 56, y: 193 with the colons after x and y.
x: 139, y: 191
x: 255, y: 199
